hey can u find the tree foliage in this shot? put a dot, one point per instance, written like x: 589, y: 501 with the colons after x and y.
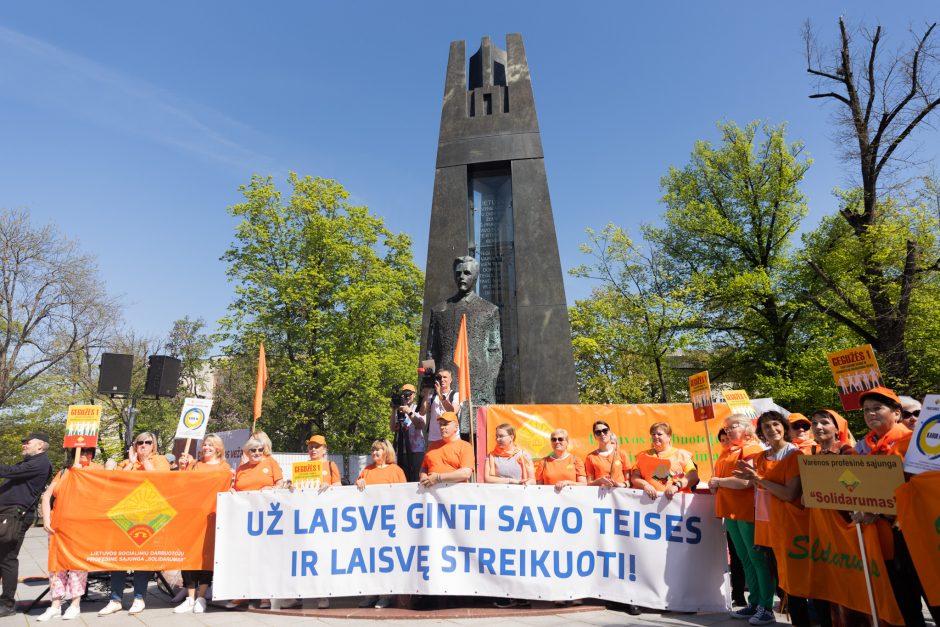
x: 882, y: 99
x: 731, y: 215
x: 336, y: 298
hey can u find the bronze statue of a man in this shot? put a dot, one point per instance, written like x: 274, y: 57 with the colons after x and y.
x: 483, y: 338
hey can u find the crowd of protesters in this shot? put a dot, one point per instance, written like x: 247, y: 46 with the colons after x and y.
x: 755, y: 475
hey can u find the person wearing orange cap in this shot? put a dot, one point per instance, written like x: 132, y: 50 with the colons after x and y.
x: 801, y: 432
x: 408, y: 424
x: 316, y: 450
x: 450, y: 459
x: 888, y: 436
x: 828, y: 435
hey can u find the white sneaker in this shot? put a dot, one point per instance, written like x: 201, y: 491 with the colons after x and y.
x: 136, y: 607
x: 72, y: 611
x: 185, y: 607
x: 110, y: 608
x: 199, y: 606
x: 49, y: 614
x: 323, y: 604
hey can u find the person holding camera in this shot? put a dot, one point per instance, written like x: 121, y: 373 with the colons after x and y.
x: 408, y: 426
x: 437, y: 401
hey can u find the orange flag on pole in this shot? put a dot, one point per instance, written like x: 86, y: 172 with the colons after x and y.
x: 260, y: 385
x: 462, y: 359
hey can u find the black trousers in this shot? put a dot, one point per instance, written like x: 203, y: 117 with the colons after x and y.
x: 10, y: 561
x: 411, y: 464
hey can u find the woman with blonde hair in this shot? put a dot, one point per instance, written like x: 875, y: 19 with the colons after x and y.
x: 734, y: 501
x: 560, y: 468
x: 197, y: 582
x: 663, y: 468
x: 507, y: 463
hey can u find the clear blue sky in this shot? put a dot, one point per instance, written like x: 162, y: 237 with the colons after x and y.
x: 131, y: 125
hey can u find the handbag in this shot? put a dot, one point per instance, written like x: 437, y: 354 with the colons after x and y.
x: 11, y: 516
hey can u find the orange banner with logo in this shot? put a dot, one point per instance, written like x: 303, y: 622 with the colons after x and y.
x: 113, y: 520
x: 631, y: 423
x: 919, y: 517
x: 829, y: 561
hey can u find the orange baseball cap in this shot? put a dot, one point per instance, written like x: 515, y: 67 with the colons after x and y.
x: 317, y: 439
x: 448, y: 416
x: 797, y: 417
x: 408, y: 387
x: 880, y: 391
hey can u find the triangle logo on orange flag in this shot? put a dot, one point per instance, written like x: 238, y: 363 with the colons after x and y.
x: 462, y: 359
x: 260, y: 384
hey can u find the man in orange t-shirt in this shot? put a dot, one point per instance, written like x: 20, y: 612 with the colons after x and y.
x: 450, y: 459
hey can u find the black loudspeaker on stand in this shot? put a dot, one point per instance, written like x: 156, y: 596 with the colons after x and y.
x: 115, y: 374
x: 163, y: 376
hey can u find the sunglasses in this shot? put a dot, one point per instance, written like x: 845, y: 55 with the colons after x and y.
x: 910, y: 414
x: 802, y: 426
x: 142, y: 442
x: 601, y: 432
x: 559, y: 439
x: 256, y: 450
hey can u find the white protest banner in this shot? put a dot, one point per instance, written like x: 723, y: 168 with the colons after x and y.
x: 194, y: 418
x: 923, y: 454
x: 233, y: 441
x: 472, y: 539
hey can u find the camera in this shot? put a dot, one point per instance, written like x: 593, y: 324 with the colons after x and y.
x: 428, y: 373
x: 398, y: 399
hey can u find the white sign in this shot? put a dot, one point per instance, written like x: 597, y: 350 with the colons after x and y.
x: 923, y: 454
x: 194, y: 418
x: 472, y: 539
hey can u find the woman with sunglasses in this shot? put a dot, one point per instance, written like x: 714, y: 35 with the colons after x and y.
x: 141, y: 457
x: 197, y: 582
x: 316, y: 451
x: 608, y: 466
x: 663, y: 468
x: 560, y: 468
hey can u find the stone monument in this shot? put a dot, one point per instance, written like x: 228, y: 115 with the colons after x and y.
x: 491, y: 202
x: 483, y: 336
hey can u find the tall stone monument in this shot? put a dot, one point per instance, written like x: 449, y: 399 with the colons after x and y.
x: 491, y: 202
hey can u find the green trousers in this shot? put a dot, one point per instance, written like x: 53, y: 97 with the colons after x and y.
x: 761, y: 583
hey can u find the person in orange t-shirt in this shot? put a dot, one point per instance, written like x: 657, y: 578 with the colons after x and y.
x: 383, y: 468
x: 316, y: 451
x: 64, y: 584
x: 561, y: 468
x: 449, y: 459
x: 261, y: 471
x: 888, y: 436
x: 663, y: 468
x: 142, y: 457
x: 801, y: 433
x: 197, y: 582
x: 734, y: 501
x: 608, y: 466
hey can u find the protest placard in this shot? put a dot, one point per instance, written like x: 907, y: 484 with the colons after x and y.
x: 700, y: 391
x: 923, y: 454
x: 857, y: 483
x: 739, y: 403
x: 306, y: 474
x: 854, y: 370
x: 81, y: 426
x: 194, y: 418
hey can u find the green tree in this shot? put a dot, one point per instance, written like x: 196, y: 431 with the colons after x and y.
x: 336, y: 298
x: 731, y: 215
x: 883, y: 100
x: 191, y: 345
x: 636, y: 318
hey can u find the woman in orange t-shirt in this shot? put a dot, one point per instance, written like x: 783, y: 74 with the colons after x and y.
x: 734, y: 501
x: 382, y: 470
x: 607, y: 466
x: 197, y: 582
x: 316, y: 451
x: 560, y: 468
x: 663, y: 468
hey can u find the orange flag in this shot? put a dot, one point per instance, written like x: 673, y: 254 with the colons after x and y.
x: 462, y: 359
x: 158, y: 520
x: 260, y: 385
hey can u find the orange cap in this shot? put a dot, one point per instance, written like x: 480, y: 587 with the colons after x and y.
x: 880, y: 391
x: 317, y: 439
x: 448, y: 416
x: 797, y: 417
x: 408, y: 387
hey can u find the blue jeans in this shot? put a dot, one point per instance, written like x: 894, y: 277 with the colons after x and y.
x: 141, y: 579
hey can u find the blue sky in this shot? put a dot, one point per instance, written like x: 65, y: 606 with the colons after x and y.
x: 131, y: 125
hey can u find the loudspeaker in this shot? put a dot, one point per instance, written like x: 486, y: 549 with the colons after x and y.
x: 163, y: 376
x: 114, y: 374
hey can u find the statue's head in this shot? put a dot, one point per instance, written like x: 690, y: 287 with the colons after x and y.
x: 466, y: 271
